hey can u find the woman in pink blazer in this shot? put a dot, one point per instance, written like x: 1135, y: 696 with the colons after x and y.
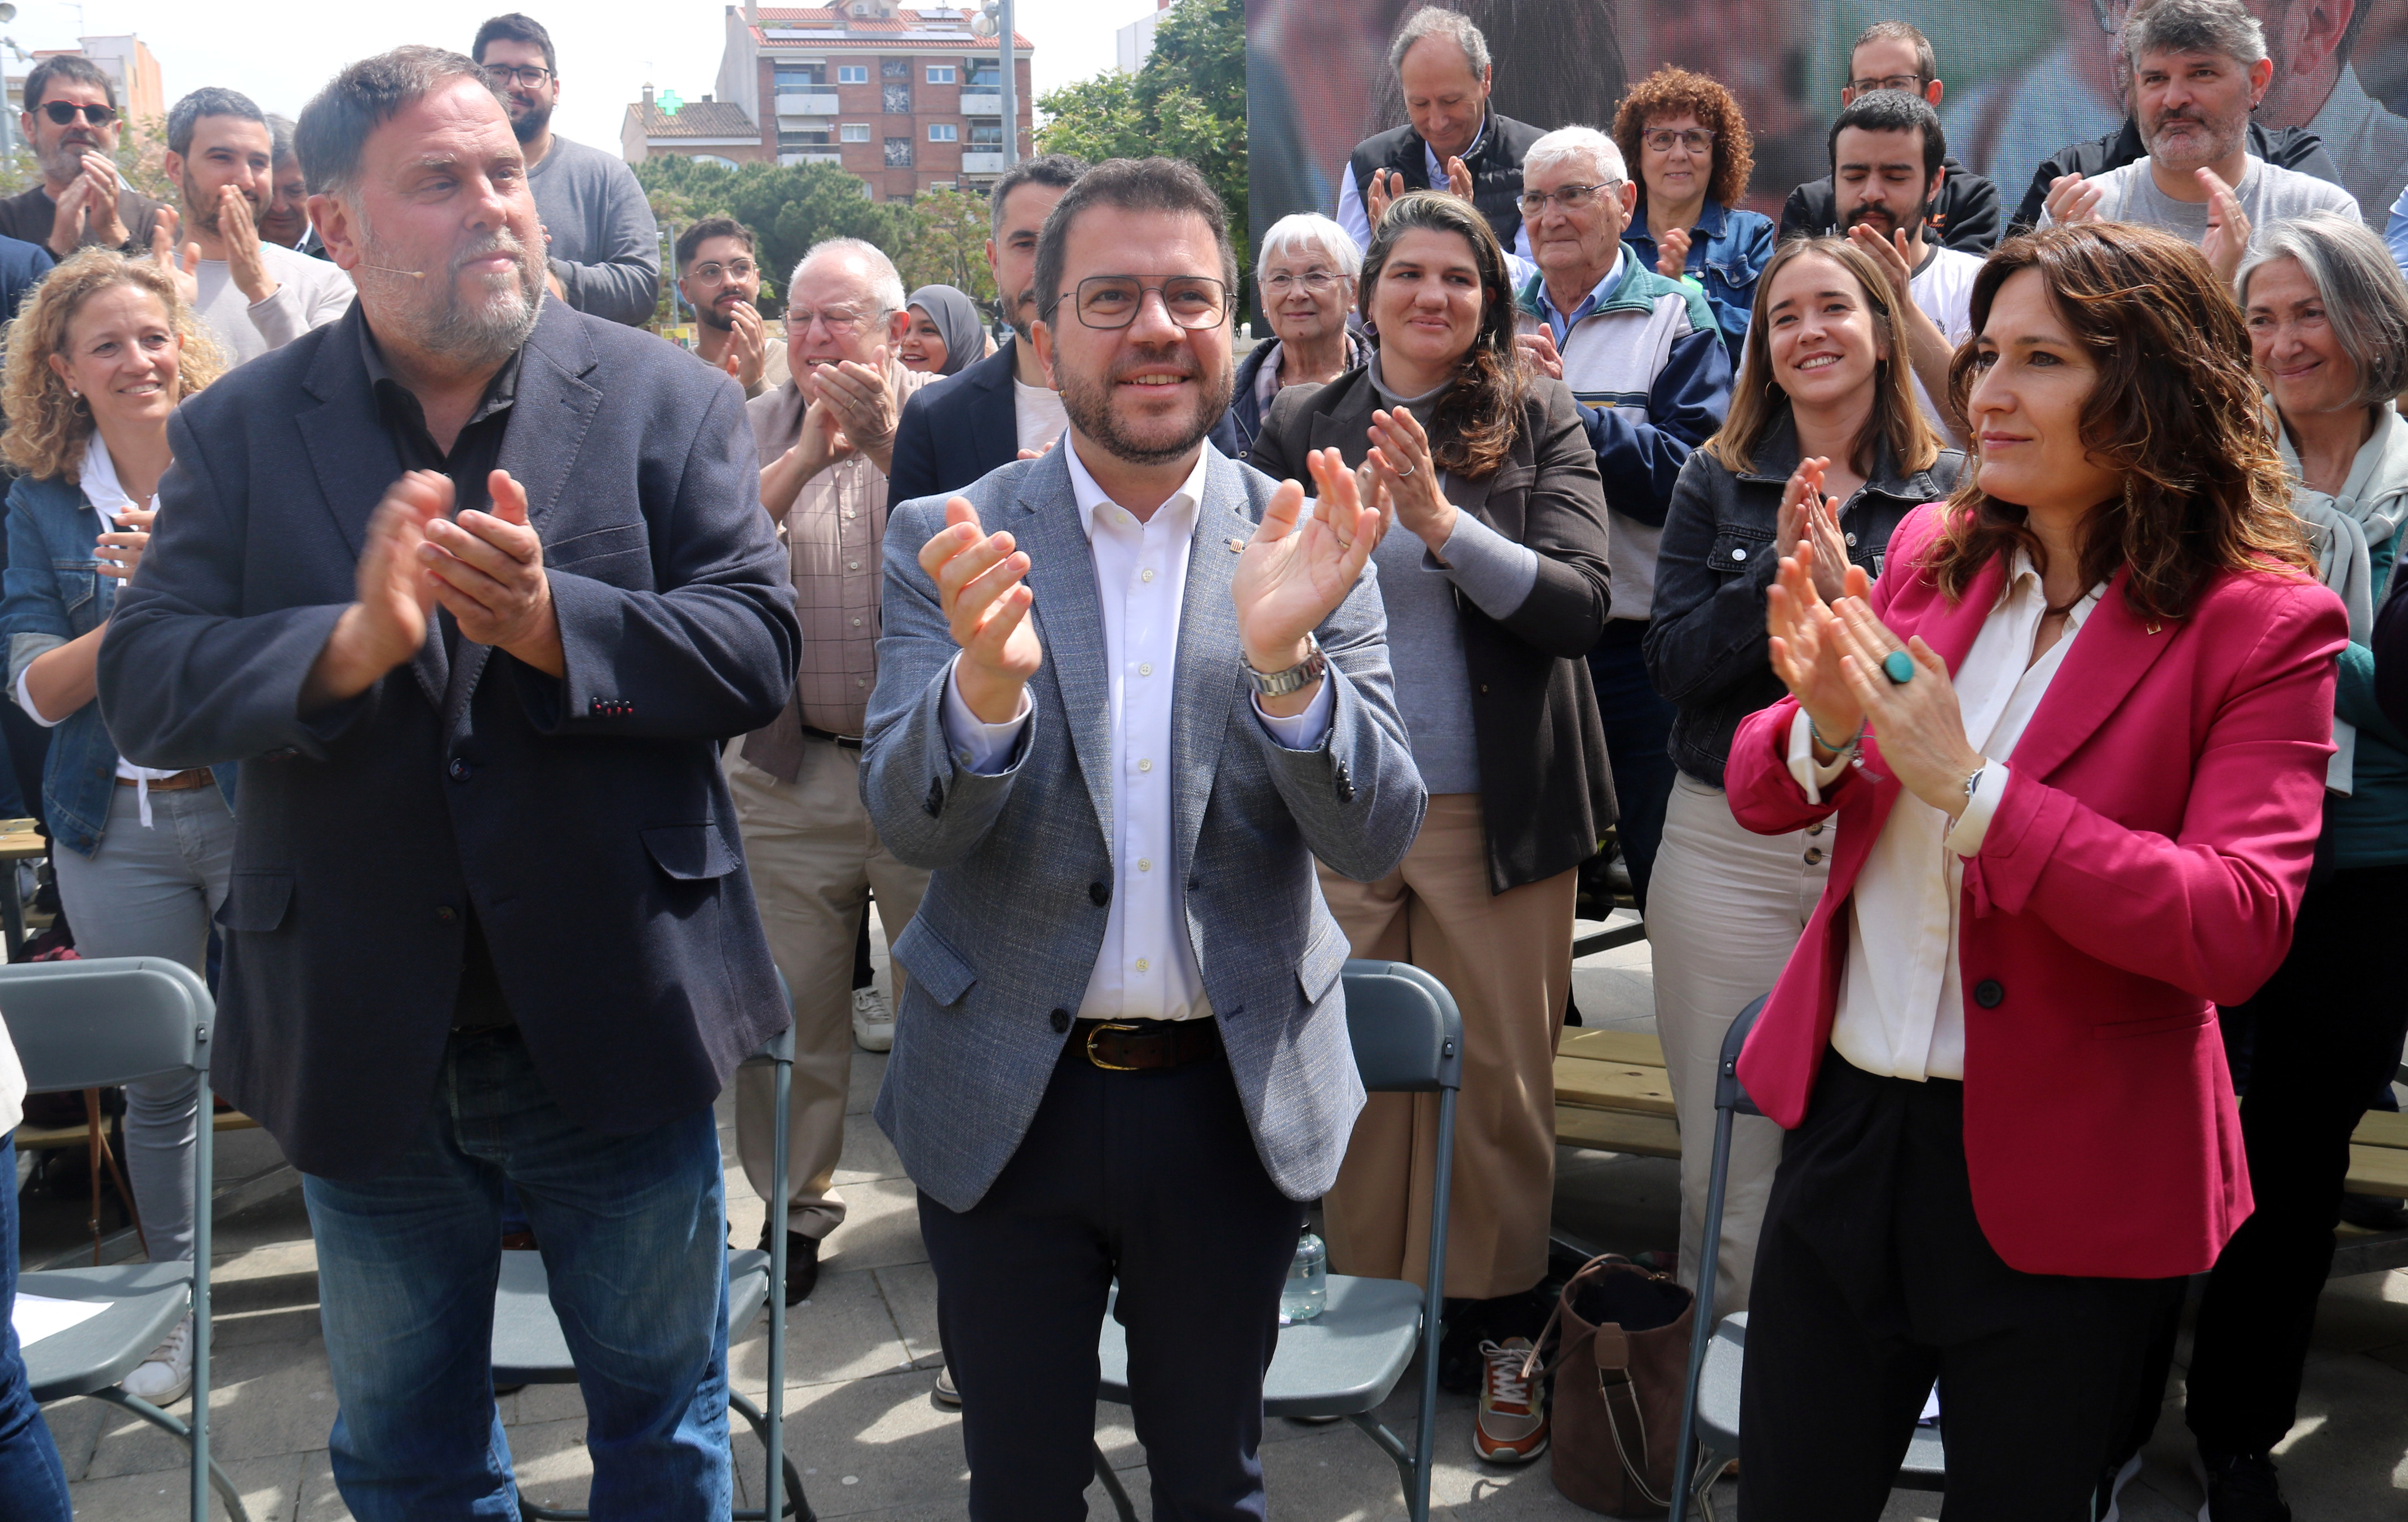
x: 2075, y: 741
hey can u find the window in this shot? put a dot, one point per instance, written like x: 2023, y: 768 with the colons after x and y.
x: 898, y: 152
x: 895, y: 68
x: 801, y: 76
x: 984, y: 74
x: 940, y: 74
x: 898, y: 99
x: 856, y: 132
x: 789, y: 141
x: 987, y: 136
x: 853, y: 74
x: 944, y: 132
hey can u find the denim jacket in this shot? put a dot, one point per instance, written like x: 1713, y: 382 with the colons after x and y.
x: 1728, y: 250
x: 1707, y: 650
x: 54, y: 592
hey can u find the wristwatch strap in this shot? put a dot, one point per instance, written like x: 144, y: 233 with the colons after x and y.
x: 1304, y: 673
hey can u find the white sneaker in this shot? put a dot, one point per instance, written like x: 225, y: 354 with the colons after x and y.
x: 947, y: 1396
x: 165, y: 1377
x: 873, y: 1023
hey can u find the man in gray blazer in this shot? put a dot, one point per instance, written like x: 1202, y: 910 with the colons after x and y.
x: 1119, y: 728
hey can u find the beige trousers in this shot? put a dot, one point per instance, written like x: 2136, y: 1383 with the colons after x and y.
x: 1507, y: 958
x: 814, y: 859
x: 1723, y: 910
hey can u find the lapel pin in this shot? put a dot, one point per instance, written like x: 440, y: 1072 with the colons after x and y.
x: 1237, y: 546
x: 2154, y: 627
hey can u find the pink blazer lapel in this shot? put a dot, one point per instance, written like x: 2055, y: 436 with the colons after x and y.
x: 2112, y: 651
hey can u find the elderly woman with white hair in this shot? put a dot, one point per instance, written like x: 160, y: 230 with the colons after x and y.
x: 1306, y: 275
x: 2327, y: 318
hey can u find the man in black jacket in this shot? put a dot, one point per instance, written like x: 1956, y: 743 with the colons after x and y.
x: 1895, y: 55
x: 1453, y: 141
x: 473, y: 584
x: 2288, y: 148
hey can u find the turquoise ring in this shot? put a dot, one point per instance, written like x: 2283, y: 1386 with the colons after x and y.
x: 1898, y: 666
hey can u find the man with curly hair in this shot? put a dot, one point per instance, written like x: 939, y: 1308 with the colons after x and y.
x: 1965, y: 211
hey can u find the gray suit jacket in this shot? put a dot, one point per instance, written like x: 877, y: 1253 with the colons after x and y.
x: 1001, y: 948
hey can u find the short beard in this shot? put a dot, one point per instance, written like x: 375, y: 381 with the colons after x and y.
x: 1865, y: 215
x: 1089, y: 404
x: 203, y: 210
x: 709, y: 317
x: 65, y: 162
x: 2221, y: 148
x: 438, y: 320
x: 527, y: 128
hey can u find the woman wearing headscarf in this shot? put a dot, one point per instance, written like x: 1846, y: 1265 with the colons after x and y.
x: 945, y: 335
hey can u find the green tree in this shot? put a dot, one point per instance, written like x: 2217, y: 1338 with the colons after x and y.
x: 788, y: 207
x: 1188, y: 102
x: 946, y: 244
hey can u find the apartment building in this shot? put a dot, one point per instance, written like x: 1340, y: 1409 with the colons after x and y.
x: 904, y: 97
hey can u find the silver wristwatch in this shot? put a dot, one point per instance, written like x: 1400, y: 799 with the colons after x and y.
x: 1304, y: 673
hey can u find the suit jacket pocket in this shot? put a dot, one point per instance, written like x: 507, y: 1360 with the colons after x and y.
x: 2108, y: 1030
x: 599, y: 553
x: 932, y: 964
x: 255, y: 903
x: 1322, y: 962
x: 691, y: 853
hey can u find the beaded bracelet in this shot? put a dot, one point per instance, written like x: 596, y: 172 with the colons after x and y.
x: 1816, y: 735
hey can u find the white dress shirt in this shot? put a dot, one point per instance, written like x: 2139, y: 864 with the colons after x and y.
x: 1901, y: 1011
x: 1147, y: 969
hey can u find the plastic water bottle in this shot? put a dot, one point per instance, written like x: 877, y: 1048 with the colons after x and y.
x: 1307, y: 1282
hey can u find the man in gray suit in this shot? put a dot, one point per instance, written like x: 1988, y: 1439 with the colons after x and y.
x: 1119, y: 728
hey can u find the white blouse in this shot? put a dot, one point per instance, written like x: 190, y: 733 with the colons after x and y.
x: 1901, y: 1011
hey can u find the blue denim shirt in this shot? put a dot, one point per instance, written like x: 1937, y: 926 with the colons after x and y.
x: 1728, y: 250
x: 53, y: 586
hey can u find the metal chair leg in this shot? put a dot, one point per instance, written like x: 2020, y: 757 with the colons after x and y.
x: 1701, y: 1320
x: 182, y: 1433
x: 1111, y: 1483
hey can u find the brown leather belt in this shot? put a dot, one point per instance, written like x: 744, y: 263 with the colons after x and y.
x: 1146, y: 1045
x: 181, y: 783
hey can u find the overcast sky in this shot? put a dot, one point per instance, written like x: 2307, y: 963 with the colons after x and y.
x: 280, y: 54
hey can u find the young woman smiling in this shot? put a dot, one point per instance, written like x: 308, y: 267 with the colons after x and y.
x: 1493, y: 571
x: 98, y: 359
x: 2075, y: 739
x: 1824, y: 441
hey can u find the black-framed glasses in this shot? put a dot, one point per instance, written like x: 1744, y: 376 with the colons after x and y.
x: 714, y: 272
x: 63, y: 112
x: 530, y: 76
x: 1912, y: 84
x: 1195, y: 301
x: 1696, y: 139
x: 1570, y: 197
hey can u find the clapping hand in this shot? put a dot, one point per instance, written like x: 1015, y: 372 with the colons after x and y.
x: 861, y: 402
x: 120, y: 550
x: 386, y: 623
x: 1811, y: 521
x: 749, y: 348
x: 981, y: 585
x: 2228, y: 227
x: 1401, y: 470
x: 1672, y: 252
x: 245, y: 264
x: 185, y: 274
x: 487, y: 568
x: 1806, y: 648
x: 2069, y: 200
x: 1292, y: 576
x: 1922, y: 729
x: 1889, y: 252
x: 1459, y: 180
x: 1539, y: 352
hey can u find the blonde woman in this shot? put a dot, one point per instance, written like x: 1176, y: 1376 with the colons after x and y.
x: 98, y: 359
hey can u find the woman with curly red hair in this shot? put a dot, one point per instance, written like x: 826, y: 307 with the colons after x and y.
x: 1688, y: 147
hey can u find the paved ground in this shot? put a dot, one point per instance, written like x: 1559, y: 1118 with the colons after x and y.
x: 862, y: 1356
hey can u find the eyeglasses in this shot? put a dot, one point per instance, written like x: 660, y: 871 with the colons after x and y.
x: 1195, y: 301
x: 1315, y: 282
x: 1696, y: 139
x: 714, y: 272
x: 531, y: 76
x: 1570, y: 197
x: 1912, y: 84
x: 62, y: 112
x: 837, y: 320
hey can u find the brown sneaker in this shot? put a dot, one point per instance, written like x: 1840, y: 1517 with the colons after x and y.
x: 1511, y: 1428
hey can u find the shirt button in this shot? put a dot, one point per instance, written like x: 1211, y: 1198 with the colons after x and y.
x: 857, y: 623
x: 852, y: 565
x: 1739, y: 555
x: 1813, y: 829
x: 861, y: 681
x: 459, y: 770
x: 1813, y: 856
x: 1145, y: 864
x: 1141, y: 964
x: 446, y: 914
x: 1145, y: 766
x: 963, y: 757
x: 1145, y: 575
x: 847, y: 512
x: 1851, y: 541
x: 1145, y: 668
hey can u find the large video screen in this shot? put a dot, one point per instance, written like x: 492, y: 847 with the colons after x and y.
x: 2023, y: 79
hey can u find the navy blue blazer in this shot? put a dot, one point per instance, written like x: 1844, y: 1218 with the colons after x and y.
x: 584, y: 817
x: 958, y: 429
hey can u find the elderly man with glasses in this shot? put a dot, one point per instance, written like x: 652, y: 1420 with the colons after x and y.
x: 826, y: 442
x: 603, y: 246
x: 71, y: 121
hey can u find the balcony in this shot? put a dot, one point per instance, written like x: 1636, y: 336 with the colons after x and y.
x: 983, y: 161
x: 830, y: 155
x: 982, y: 100
x: 807, y: 102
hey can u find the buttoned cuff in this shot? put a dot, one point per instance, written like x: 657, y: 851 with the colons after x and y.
x: 977, y: 745
x: 1300, y: 731
x: 1972, y: 826
x: 1813, y: 776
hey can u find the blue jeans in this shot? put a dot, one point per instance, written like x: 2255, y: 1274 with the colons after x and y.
x: 32, y: 1487
x: 635, y: 1243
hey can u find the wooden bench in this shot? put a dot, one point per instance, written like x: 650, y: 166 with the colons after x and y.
x: 1612, y: 1095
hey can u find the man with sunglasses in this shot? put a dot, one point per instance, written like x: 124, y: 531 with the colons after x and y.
x: 604, y: 248
x: 719, y: 276
x: 1964, y: 212
x: 71, y: 120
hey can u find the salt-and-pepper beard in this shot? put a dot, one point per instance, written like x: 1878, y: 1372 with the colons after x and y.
x: 435, y: 317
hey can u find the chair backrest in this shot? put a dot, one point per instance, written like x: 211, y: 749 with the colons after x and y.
x: 107, y: 1021
x: 1729, y: 1095
x: 1407, y: 1032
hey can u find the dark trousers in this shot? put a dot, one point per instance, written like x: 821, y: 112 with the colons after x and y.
x: 1872, y: 1278
x: 1151, y: 1177
x: 1637, y: 736
x: 2325, y: 1033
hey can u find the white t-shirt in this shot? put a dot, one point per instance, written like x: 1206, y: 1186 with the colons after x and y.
x: 1039, y: 412
x: 309, y: 294
x: 1943, y: 288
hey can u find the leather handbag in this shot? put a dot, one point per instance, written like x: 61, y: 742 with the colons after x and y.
x: 1621, y: 1357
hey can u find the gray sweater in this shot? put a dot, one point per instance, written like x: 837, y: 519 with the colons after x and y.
x: 605, y: 248
x: 1424, y: 631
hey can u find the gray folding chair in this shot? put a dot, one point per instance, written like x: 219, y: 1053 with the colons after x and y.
x: 95, y: 1025
x: 1408, y: 1039
x: 1710, y: 1410
x: 529, y: 1347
